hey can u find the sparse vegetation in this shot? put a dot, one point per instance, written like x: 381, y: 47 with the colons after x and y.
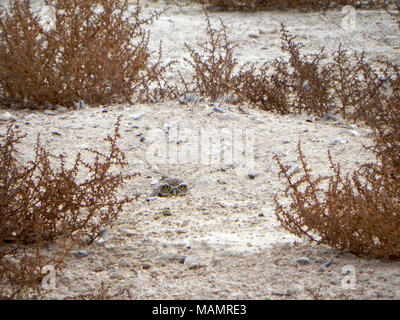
x: 286, y: 4
x: 213, y: 66
x: 357, y: 212
x: 42, y: 204
x: 99, y: 56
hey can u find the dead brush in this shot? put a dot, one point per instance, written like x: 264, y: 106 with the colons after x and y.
x: 95, y: 51
x: 358, y: 212
x: 294, y: 85
x: 364, y: 90
x: 262, y: 89
x: 308, y: 83
x: 23, y: 268
x: 39, y: 203
x: 213, y: 63
x: 304, y: 5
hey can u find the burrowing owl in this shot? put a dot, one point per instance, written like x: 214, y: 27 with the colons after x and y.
x: 171, y: 187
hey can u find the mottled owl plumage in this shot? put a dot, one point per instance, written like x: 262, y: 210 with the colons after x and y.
x: 171, y: 187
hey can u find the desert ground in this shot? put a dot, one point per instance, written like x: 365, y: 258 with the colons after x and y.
x: 222, y: 240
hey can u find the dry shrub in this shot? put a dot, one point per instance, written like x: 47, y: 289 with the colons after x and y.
x: 39, y: 203
x: 307, y: 83
x: 357, y: 212
x: 299, y: 84
x: 96, y: 51
x: 287, y: 4
x: 23, y: 268
x: 387, y: 142
x: 261, y: 89
x: 212, y: 62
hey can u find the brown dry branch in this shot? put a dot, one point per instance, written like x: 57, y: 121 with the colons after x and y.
x: 294, y: 85
x: 213, y: 64
x: 303, y: 5
x: 303, y: 83
x: 357, y: 212
x: 40, y: 203
x: 262, y: 89
x: 23, y: 268
x: 99, y: 56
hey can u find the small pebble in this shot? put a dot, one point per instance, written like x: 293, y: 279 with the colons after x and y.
x: 303, y: 260
x: 194, y: 262
x: 294, y: 169
x: 337, y: 141
x: 217, y: 109
x: 50, y: 112
x: 291, y: 291
x: 146, y: 266
x: 353, y: 133
x: 81, y: 253
x: 182, y: 259
x: 251, y: 175
x: 137, y: 116
x: 6, y: 116
x: 327, y: 264
x: 151, y: 199
x: 97, y: 267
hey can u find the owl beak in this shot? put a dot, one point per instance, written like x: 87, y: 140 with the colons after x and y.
x: 174, y: 191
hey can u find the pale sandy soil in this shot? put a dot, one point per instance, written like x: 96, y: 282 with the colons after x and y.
x: 222, y: 241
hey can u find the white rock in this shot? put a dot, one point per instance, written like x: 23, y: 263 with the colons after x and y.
x: 353, y: 133
x: 194, y: 262
x: 337, y: 141
x: 294, y: 169
x: 257, y: 119
x: 137, y: 116
x: 6, y: 116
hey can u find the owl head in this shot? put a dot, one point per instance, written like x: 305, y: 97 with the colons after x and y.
x: 172, y: 188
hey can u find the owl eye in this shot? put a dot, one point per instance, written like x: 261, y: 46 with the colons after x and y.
x: 166, y: 188
x: 181, y: 187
